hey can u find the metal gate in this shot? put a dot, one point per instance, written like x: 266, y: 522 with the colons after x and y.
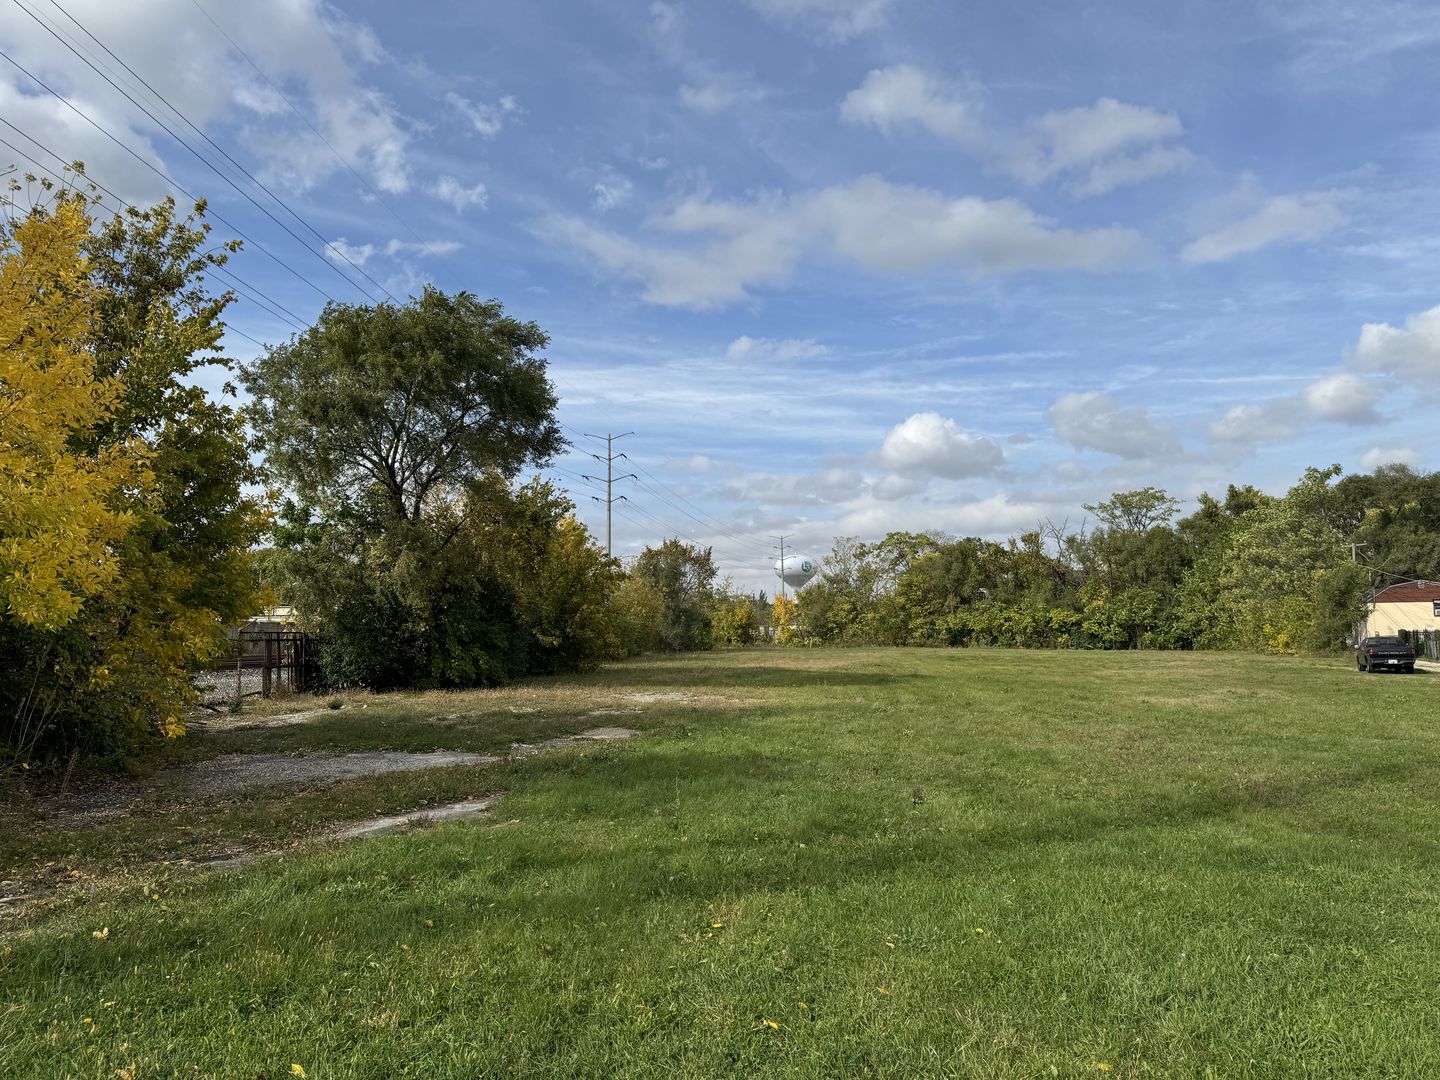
x: 270, y: 661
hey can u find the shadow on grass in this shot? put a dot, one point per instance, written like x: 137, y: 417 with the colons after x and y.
x: 848, y: 838
x: 658, y: 676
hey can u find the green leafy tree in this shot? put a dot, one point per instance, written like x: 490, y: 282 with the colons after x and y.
x: 560, y: 578
x: 376, y: 411
x: 121, y: 667
x: 187, y: 571
x: 637, y: 610
x: 735, y: 617
x: 399, y: 429
x: 684, y: 576
x: 1281, y: 581
x: 1394, y: 515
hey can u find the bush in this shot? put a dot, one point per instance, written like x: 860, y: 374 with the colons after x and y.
x: 735, y: 622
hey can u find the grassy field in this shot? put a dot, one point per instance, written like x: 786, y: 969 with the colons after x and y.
x: 828, y: 863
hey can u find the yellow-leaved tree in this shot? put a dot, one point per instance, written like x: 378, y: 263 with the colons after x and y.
x: 787, y: 632
x: 62, y: 508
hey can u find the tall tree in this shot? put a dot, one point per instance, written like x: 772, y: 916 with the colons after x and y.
x: 179, y: 571
x: 376, y: 411
x: 187, y: 569
x: 684, y: 576
x: 1281, y: 580
x: 397, y: 430
x: 63, y: 504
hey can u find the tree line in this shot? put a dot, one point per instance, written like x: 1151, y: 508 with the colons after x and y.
x: 1247, y: 571
x: 374, y: 477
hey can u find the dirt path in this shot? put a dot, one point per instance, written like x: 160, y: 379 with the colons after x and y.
x: 237, y: 772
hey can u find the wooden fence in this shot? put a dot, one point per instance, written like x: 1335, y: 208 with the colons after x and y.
x: 1426, y: 643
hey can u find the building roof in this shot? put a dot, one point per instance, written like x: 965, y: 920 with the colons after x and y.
x: 1408, y: 592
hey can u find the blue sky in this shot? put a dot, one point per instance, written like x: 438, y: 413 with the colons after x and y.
x: 843, y: 266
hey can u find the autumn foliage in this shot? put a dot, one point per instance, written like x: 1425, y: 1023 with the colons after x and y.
x: 61, y: 509
x: 125, y: 527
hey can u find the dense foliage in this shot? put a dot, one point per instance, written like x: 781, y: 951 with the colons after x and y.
x: 1250, y: 571
x: 141, y: 561
x: 398, y: 430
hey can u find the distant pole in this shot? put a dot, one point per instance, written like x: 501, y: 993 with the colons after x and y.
x: 782, y: 540
x: 610, y: 478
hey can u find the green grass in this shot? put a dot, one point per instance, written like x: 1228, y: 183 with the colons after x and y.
x: 911, y: 863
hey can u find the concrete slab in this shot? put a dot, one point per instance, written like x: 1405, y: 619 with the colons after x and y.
x: 434, y: 816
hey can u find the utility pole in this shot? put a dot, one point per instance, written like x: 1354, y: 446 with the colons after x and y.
x: 782, y: 540
x: 610, y: 500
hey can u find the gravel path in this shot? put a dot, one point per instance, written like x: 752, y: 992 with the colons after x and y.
x: 234, y: 772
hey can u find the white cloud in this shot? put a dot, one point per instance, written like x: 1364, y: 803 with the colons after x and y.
x: 1413, y: 349
x: 837, y: 19
x: 993, y: 517
x: 453, y: 193
x: 718, y: 94
x: 1095, y: 421
x: 1117, y: 172
x: 340, y: 251
x: 486, y: 118
x: 1334, y: 34
x: 930, y: 443
x: 1341, y: 399
x: 1097, y: 138
x: 747, y: 348
x: 827, y: 486
x: 894, y: 487
x: 1079, y: 136
x: 897, y: 96
x: 316, y: 52
x: 611, y: 189
x: 1281, y: 219
x: 1249, y: 424
x: 665, y: 20
x: 877, y: 224
x: 694, y: 463
x: 1377, y: 456
x: 1098, y: 148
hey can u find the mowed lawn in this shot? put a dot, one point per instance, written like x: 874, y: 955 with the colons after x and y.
x: 889, y: 863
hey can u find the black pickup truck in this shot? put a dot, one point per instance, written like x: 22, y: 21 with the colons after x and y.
x: 1384, y: 654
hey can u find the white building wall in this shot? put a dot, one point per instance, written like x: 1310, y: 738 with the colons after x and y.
x: 1385, y: 620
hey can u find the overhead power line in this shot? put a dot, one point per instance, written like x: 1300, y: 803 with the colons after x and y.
x: 264, y: 298
x: 329, y: 245
x: 782, y: 540
x: 705, y: 520
x: 157, y: 171
x: 707, y: 525
x: 667, y: 529
x: 280, y: 93
x: 93, y: 66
